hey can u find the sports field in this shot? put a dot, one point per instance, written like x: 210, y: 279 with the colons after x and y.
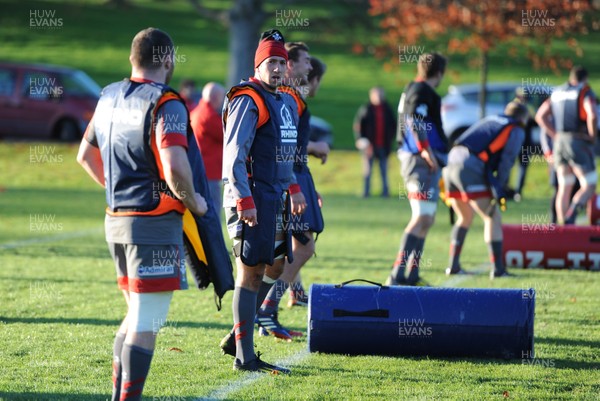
x: 61, y: 307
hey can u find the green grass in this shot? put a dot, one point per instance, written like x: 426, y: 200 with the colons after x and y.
x: 96, y: 38
x: 61, y: 307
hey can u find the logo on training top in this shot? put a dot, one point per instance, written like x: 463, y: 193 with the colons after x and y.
x: 422, y: 110
x: 120, y: 115
x: 500, y: 120
x: 564, y: 95
x: 145, y: 271
x: 289, y: 133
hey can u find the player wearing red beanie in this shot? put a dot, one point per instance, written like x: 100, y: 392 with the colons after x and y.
x: 260, y: 191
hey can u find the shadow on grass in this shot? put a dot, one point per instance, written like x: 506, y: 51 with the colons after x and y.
x: 104, y: 322
x: 7, y: 396
x: 43, y: 251
x: 575, y: 360
x: 570, y: 364
x: 308, y: 370
x: 40, y: 279
x: 569, y: 342
x: 213, y: 399
x: 537, y: 362
x: 14, y: 396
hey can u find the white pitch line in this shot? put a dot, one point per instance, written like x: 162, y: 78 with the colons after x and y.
x: 223, y: 392
x: 52, y: 238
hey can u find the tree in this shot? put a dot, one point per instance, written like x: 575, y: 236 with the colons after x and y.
x: 483, y: 25
x: 244, y: 20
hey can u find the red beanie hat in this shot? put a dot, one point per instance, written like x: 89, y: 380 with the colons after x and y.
x: 270, y: 46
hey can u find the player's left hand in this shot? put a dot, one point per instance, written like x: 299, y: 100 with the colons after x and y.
x: 319, y: 200
x: 297, y: 203
x: 319, y: 149
x: 430, y: 160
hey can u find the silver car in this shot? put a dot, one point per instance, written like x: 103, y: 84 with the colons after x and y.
x: 460, y: 107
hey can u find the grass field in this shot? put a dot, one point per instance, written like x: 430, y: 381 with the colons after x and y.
x: 60, y: 305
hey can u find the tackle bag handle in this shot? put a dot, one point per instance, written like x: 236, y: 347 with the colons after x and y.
x: 361, y: 280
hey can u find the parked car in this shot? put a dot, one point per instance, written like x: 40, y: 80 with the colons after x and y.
x: 44, y: 101
x: 460, y: 107
x: 320, y: 130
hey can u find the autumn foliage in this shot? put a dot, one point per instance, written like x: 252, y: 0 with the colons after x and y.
x: 482, y: 25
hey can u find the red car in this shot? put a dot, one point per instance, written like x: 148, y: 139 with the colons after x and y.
x: 44, y: 101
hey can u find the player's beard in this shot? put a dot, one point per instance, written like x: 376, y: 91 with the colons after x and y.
x: 271, y: 84
x: 304, y: 80
x: 271, y: 87
x: 276, y: 82
x: 169, y: 74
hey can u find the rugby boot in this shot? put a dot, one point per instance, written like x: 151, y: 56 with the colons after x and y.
x: 420, y: 283
x: 497, y: 274
x: 272, y: 326
x: 392, y: 281
x: 298, y: 301
x: 264, y: 333
x: 258, y: 365
x: 292, y: 333
x: 459, y: 271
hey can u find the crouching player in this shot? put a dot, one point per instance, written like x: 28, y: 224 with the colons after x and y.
x: 488, y: 147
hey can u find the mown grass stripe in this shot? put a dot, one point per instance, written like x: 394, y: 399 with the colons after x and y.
x: 52, y: 238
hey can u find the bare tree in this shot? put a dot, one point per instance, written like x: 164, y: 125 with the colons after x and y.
x: 244, y: 21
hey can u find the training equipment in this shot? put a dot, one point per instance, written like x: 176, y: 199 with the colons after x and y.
x: 206, y: 254
x: 550, y: 246
x: 593, y: 210
x: 444, y: 197
x: 445, y: 322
